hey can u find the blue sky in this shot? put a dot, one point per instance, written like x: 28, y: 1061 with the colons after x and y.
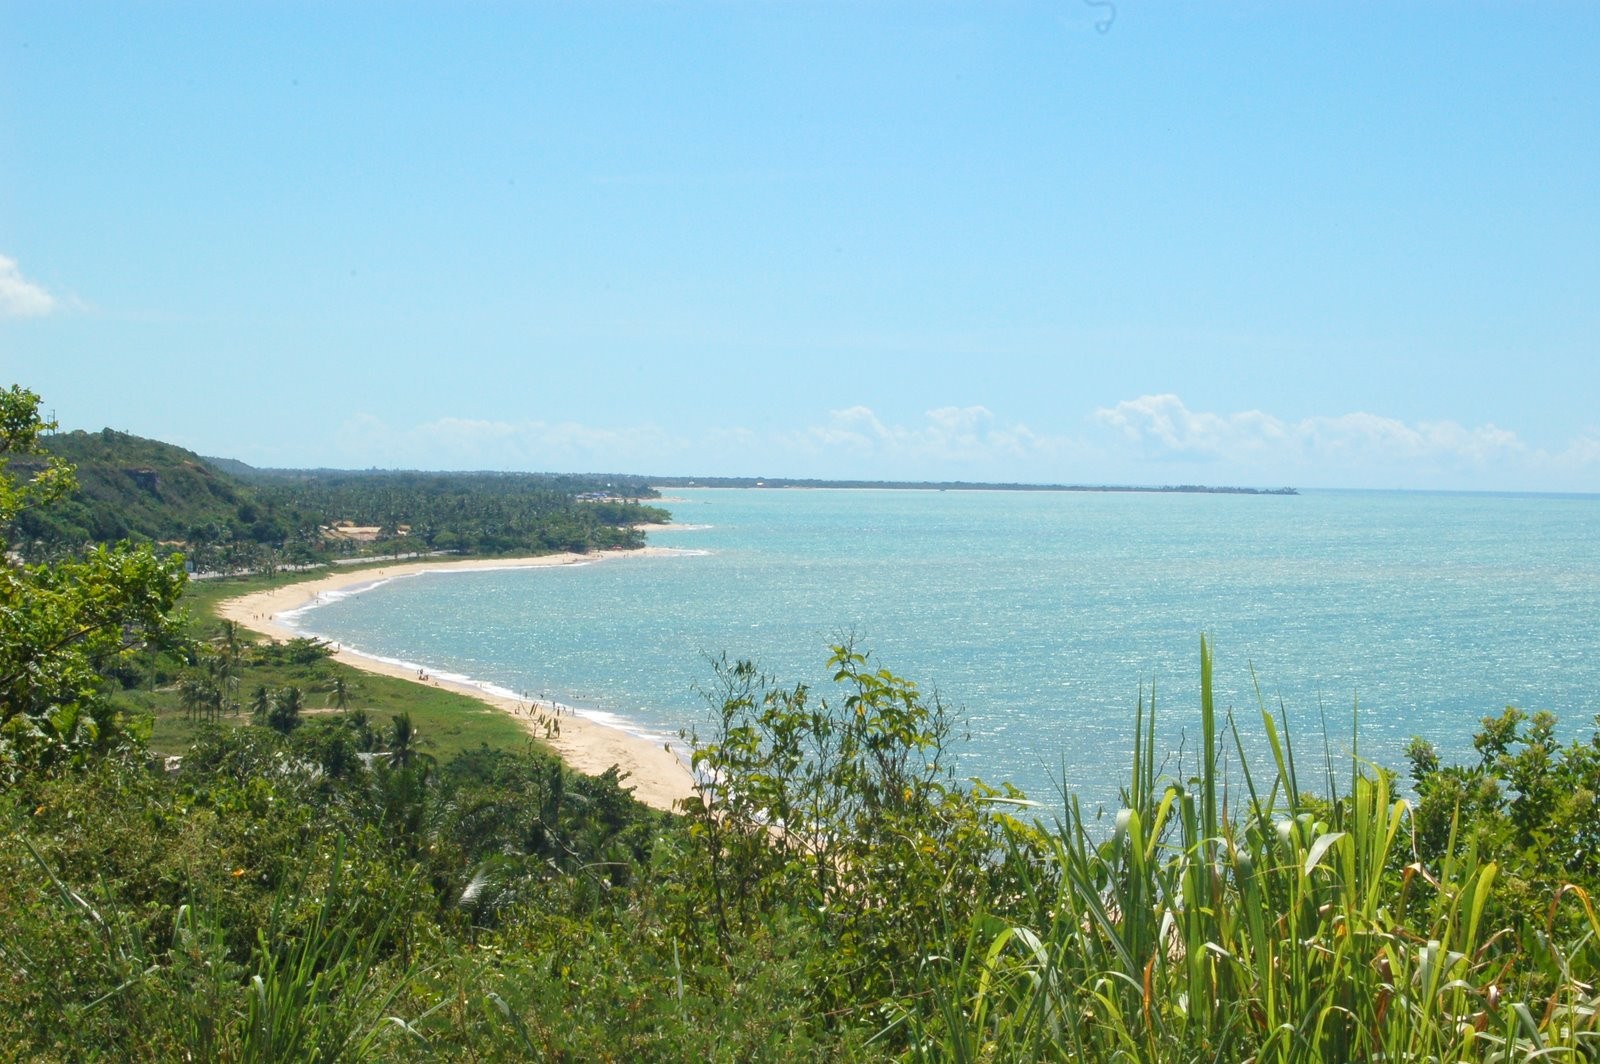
x: 1327, y: 245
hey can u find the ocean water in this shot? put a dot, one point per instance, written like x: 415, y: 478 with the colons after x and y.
x: 1044, y: 616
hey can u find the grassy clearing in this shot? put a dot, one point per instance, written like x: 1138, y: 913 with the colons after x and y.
x: 447, y: 721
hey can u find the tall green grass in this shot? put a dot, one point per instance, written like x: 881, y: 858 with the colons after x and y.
x: 1256, y: 922
x: 321, y: 991
x: 320, y: 986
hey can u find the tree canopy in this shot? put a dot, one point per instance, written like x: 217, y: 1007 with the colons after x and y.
x: 64, y: 623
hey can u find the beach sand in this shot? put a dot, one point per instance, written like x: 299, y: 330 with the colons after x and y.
x: 656, y: 775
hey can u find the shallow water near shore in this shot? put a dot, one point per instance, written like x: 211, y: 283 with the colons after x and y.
x: 1043, y: 615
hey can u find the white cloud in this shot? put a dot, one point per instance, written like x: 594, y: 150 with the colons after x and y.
x: 968, y: 436
x: 466, y: 443
x: 854, y: 443
x: 20, y: 297
x: 1352, y: 448
x: 1153, y: 439
x: 1581, y: 453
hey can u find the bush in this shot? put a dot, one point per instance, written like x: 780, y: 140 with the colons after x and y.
x: 842, y: 813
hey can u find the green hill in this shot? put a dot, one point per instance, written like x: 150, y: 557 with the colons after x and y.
x: 141, y: 489
x: 226, y: 515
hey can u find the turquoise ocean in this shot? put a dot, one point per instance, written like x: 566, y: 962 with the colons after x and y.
x: 1042, y: 616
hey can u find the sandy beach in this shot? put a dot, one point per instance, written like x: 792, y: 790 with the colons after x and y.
x: 657, y: 776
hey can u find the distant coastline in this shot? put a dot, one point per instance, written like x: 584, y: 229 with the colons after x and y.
x: 957, y: 485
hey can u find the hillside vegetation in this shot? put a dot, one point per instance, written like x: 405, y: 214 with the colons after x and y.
x: 145, y: 490
x: 337, y: 886
x: 228, y: 517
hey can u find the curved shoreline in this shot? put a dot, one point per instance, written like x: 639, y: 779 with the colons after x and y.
x: 657, y: 776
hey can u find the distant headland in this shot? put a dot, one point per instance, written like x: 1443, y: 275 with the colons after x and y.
x: 956, y: 485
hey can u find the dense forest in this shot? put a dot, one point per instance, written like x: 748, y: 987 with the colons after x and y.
x: 226, y: 516
x: 320, y: 873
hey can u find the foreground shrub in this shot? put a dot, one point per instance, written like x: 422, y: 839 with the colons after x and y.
x: 841, y: 812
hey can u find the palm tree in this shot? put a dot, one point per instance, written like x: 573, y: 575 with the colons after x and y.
x: 194, y: 694
x: 405, y: 744
x: 284, y: 716
x: 222, y: 673
x: 366, y: 738
x: 341, y: 689
x: 403, y: 741
x: 230, y: 640
x: 260, y: 702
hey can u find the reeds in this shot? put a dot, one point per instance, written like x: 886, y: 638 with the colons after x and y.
x: 1258, y: 923
x: 320, y: 985
x: 319, y: 993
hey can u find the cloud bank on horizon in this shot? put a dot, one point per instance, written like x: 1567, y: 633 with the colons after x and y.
x: 1365, y: 448
x: 1150, y: 440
